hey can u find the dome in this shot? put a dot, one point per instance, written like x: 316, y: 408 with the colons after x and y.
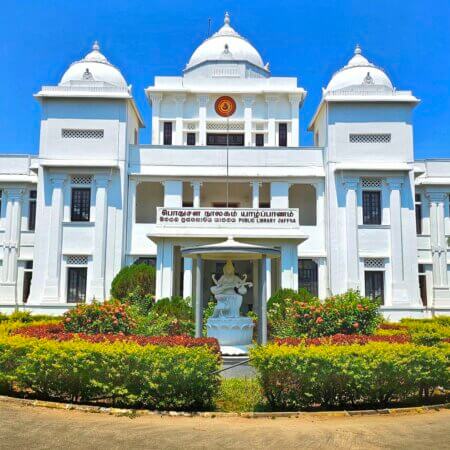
x: 226, y: 44
x: 94, y: 67
x: 359, y: 71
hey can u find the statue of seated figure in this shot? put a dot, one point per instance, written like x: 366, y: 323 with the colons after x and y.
x: 228, y: 291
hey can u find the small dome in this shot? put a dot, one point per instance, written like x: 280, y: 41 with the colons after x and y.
x: 94, y: 67
x: 226, y: 44
x: 359, y: 71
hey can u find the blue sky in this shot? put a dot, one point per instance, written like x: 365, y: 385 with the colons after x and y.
x: 309, y: 39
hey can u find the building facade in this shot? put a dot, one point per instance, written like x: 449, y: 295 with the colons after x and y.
x: 354, y: 211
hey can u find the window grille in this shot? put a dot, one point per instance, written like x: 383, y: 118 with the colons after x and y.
x: 81, y: 179
x: 191, y: 125
x: 77, y: 133
x: 282, y: 134
x: 381, y: 138
x: 223, y: 125
x: 76, y: 284
x: 32, y: 211
x: 371, y: 183
x: 77, y: 260
x: 167, y: 133
x: 260, y: 126
x: 81, y: 205
x: 374, y: 285
x: 374, y: 263
x: 371, y: 207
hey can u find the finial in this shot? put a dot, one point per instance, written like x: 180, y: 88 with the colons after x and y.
x: 96, y: 46
x: 357, y: 49
x: 226, y: 19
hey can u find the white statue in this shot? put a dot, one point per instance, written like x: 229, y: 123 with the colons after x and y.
x: 228, y: 291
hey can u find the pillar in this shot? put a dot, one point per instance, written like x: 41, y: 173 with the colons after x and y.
x: 441, y: 291
x: 52, y: 282
x: 255, y: 193
x: 202, y: 103
x: 187, y: 277
x: 295, y: 100
x: 255, y: 278
x: 271, y: 101
x: 100, y: 237
x: 322, y: 277
x: 156, y: 102
x: 11, y: 244
x: 196, y: 193
x: 164, y: 269
x: 173, y: 193
x: 351, y: 243
x: 248, y: 103
x: 178, y: 138
x: 289, y: 266
x: 262, y: 310
x: 199, y: 297
x: 279, y: 194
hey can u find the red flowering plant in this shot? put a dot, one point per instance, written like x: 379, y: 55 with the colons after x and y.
x: 344, y: 339
x: 108, y: 317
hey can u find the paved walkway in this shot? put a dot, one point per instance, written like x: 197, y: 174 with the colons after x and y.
x: 25, y: 427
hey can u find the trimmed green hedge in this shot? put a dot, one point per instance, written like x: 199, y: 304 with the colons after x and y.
x: 135, y: 278
x: 376, y: 373
x: 126, y: 374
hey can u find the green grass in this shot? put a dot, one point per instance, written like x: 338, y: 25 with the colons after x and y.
x: 239, y: 395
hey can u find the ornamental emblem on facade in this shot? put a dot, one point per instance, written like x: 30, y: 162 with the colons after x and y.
x: 225, y: 106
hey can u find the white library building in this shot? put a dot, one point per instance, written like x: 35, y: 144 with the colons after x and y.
x: 225, y: 178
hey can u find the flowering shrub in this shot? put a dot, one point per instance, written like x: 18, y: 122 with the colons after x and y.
x: 344, y: 339
x: 108, y: 317
x: 349, y: 313
x: 294, y: 377
x: 57, y: 332
x: 120, y: 373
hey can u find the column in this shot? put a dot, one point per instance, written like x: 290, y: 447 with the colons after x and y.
x: 295, y: 100
x: 441, y: 292
x: 202, y: 103
x: 255, y: 278
x: 11, y: 243
x: 173, y: 193
x: 255, y: 193
x: 248, y: 103
x: 155, y: 99
x: 164, y: 269
x: 196, y: 193
x: 399, y: 291
x: 271, y: 101
x: 320, y: 210
x: 187, y: 277
x: 289, y: 266
x: 351, y: 222
x: 199, y: 297
x: 178, y: 138
x: 262, y: 310
x: 279, y: 194
x: 322, y: 277
x: 100, y: 238
x: 52, y: 282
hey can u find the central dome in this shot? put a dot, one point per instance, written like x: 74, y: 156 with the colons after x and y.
x: 226, y: 44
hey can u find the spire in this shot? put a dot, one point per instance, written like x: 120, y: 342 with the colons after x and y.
x: 226, y: 19
x: 358, y: 49
x: 96, y: 46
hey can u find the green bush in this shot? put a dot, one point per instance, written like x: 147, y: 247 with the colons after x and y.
x: 107, y: 317
x: 131, y: 278
x: 125, y: 374
x: 239, y: 395
x: 294, y: 377
x: 298, y: 314
x: 26, y: 317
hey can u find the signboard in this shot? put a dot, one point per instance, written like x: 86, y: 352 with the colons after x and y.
x: 228, y: 217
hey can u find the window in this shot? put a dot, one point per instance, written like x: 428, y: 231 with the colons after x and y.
x: 27, y: 276
x: 190, y: 139
x: 307, y: 276
x: 76, y: 284
x: 423, y: 284
x: 167, y: 133
x: 187, y: 204
x: 81, y: 205
x: 75, y: 133
x: 418, y: 204
x: 220, y: 139
x: 32, y: 211
x: 374, y: 284
x: 383, y: 138
x: 259, y: 140
x: 372, y: 207
x: 282, y: 134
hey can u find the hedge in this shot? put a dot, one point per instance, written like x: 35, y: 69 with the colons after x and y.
x: 295, y: 377
x: 121, y: 373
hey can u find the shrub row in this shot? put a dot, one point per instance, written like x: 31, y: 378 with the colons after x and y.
x: 57, y: 332
x: 295, y: 377
x: 120, y: 373
x: 345, y: 339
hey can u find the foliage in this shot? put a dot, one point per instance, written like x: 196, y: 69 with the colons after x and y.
x: 107, y: 317
x: 121, y: 373
x: 239, y: 395
x: 58, y: 333
x: 292, y: 314
x: 345, y: 339
x: 130, y: 278
x: 25, y: 317
x: 294, y: 377
x: 142, y: 303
